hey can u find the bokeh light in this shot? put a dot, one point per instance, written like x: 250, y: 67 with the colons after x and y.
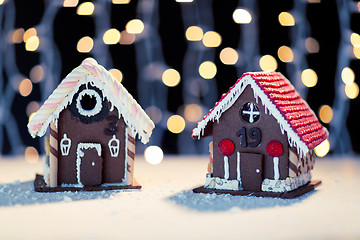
x: 31, y: 155
x: 347, y: 75
x: 32, y: 107
x: 211, y: 39
x: 356, y: 52
x: 326, y: 113
x: 193, y: 113
x: 32, y: 43
x: 184, y: 1
x: 153, y: 155
x: 85, y: 45
x: 86, y: 8
x: 242, y: 16
x: 285, y: 54
x: 322, y: 149
x: 352, y: 90
x: 171, y: 77
x: 312, y: 45
x: 176, y: 124
x: 154, y: 113
x: 286, y: 19
x: 229, y: 56
x: 207, y: 70
x: 70, y: 3
x: 29, y: 33
x: 25, y: 87
x: 37, y: 74
x: 17, y: 35
x: 135, y: 26
x: 309, y: 77
x: 355, y: 39
x: 120, y: 1
x: 111, y: 36
x: 268, y: 63
x: 194, y: 33
x: 117, y: 74
x: 126, y: 38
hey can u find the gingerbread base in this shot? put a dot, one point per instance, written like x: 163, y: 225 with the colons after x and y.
x: 286, y: 195
x: 40, y: 186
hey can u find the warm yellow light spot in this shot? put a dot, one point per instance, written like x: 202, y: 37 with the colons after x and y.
x: 309, y: 77
x: 194, y: 33
x: 322, y: 149
x: 176, y: 124
x: 325, y: 113
x: 86, y: 8
x: 183, y: 1
x: 32, y: 43
x: 135, y: 26
x: 85, y: 45
x: 31, y: 155
x: 193, y: 112
x: 70, y: 3
x: 229, y: 56
x: 111, y: 36
x: 153, y: 155
x: 312, y: 45
x: 355, y: 39
x: 207, y: 70
x: 25, y: 87
x: 154, y: 113
x: 347, y: 75
x: 314, y: 1
x: 285, y: 54
x: 2, y: 1
x: 32, y: 107
x: 211, y: 39
x: 171, y: 77
x: 356, y: 51
x: 31, y: 115
x: 29, y: 33
x: 268, y: 63
x: 17, y: 35
x: 352, y: 90
x: 117, y: 74
x: 286, y: 19
x: 127, y: 38
x: 37, y: 74
x: 120, y: 1
x: 242, y: 16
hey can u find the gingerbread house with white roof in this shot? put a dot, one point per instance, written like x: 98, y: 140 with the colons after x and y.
x: 264, y: 135
x: 93, y: 122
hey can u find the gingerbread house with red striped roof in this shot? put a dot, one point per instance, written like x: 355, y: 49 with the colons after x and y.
x: 93, y: 122
x: 264, y: 135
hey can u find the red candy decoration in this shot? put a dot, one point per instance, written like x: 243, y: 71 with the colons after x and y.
x: 226, y: 147
x: 274, y: 148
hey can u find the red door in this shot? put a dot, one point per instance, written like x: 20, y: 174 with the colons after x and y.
x: 251, y: 169
x: 89, y: 164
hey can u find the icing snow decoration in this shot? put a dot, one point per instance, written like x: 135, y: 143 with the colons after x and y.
x: 114, y: 144
x: 90, y: 93
x: 65, y: 145
x: 80, y: 154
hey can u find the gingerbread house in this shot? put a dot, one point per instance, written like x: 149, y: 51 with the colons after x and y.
x: 93, y: 122
x: 264, y: 135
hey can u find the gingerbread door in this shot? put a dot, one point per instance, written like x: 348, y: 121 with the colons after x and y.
x: 251, y: 169
x: 89, y: 164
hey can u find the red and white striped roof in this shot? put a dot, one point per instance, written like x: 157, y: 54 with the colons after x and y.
x: 90, y: 72
x: 281, y: 100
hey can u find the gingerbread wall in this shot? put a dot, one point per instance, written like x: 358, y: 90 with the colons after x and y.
x: 231, y: 122
x: 113, y: 168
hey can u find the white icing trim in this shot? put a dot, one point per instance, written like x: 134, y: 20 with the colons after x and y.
x: 80, y: 154
x: 238, y: 170
x: 226, y: 167
x: 98, y: 105
x: 125, y: 180
x: 293, y: 139
x: 65, y: 148
x: 276, y: 168
x: 114, y: 149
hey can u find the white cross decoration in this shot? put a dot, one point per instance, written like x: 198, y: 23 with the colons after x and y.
x: 251, y: 113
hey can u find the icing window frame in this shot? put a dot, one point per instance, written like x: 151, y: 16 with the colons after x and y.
x: 254, y: 112
x: 98, y: 105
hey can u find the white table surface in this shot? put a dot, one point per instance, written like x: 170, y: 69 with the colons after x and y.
x: 166, y: 208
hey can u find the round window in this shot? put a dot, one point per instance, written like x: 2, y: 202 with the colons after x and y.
x: 250, y: 112
x: 89, y: 102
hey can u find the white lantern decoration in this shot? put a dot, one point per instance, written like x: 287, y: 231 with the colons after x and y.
x: 114, y: 144
x: 65, y: 145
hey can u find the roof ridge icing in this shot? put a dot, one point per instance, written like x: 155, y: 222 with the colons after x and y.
x: 90, y: 72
